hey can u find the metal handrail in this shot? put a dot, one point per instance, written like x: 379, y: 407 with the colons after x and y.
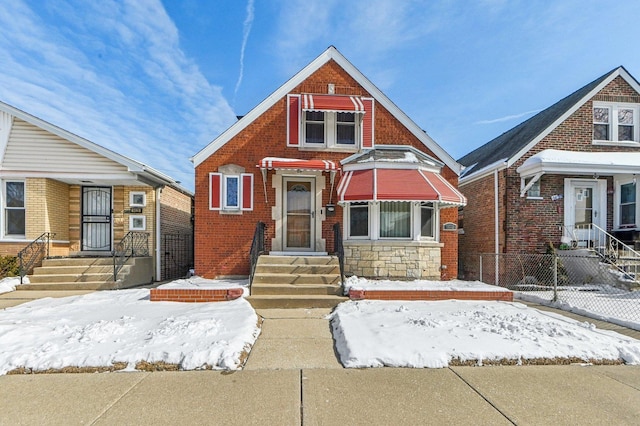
x: 33, y: 253
x: 257, y: 248
x: 133, y: 244
x: 338, y: 248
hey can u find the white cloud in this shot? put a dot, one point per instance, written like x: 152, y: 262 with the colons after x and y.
x: 114, y: 73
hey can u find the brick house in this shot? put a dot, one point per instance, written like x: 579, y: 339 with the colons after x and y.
x: 559, y: 176
x: 327, y: 148
x: 81, y: 200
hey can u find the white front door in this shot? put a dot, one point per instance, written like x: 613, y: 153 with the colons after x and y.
x: 585, y: 204
x: 299, y: 214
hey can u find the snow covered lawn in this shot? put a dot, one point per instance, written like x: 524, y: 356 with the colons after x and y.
x: 439, y: 333
x: 123, y: 329
x: 9, y: 284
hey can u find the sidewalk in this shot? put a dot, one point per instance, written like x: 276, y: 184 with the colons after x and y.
x: 293, y: 377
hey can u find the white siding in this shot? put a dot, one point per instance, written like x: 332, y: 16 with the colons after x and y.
x: 31, y: 148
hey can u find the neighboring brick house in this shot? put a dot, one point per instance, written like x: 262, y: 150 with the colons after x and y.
x: 85, y: 196
x: 328, y: 147
x: 569, y: 168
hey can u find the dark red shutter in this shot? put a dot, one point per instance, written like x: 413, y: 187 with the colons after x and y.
x: 367, y: 123
x: 293, y: 118
x: 247, y: 191
x: 215, y: 191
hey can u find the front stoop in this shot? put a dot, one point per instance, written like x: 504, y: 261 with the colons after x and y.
x: 88, y: 273
x: 296, y: 282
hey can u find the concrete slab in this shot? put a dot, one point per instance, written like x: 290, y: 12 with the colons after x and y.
x: 292, y: 354
x: 627, y: 374
x: 7, y: 303
x: 61, y: 399
x: 390, y: 396
x: 208, y: 397
x: 555, y: 394
x: 294, y: 313
x: 312, y: 328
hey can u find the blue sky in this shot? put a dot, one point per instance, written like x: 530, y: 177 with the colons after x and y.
x: 158, y: 80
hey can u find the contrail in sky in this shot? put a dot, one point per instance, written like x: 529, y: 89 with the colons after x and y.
x: 508, y: 117
x: 246, y: 29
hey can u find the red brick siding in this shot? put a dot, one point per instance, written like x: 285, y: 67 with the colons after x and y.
x: 222, y: 242
x: 505, y: 296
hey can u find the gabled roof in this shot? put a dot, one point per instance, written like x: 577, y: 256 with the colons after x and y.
x: 330, y: 54
x: 510, y: 146
x: 145, y: 173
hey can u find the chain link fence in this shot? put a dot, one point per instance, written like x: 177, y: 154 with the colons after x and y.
x: 580, y: 281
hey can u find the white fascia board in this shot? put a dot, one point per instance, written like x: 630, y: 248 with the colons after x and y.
x: 485, y: 171
x: 391, y: 165
x: 569, y: 168
x: 326, y: 56
x: 568, y: 113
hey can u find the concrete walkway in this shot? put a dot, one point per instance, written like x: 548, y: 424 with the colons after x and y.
x: 293, y: 377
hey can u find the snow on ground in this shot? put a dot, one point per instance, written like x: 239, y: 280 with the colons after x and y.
x: 358, y: 283
x: 200, y: 283
x: 107, y: 327
x: 9, y: 284
x: 433, y: 334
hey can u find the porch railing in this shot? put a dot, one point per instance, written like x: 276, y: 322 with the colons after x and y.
x: 133, y: 244
x: 338, y: 248
x: 257, y: 248
x: 33, y: 253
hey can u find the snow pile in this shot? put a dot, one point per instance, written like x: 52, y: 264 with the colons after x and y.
x: 200, y: 283
x: 9, y: 284
x: 357, y: 283
x: 433, y: 334
x: 104, y: 328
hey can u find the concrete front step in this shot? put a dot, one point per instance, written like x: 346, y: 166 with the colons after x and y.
x: 290, y: 301
x: 298, y: 290
x: 298, y: 279
x: 79, y: 278
x: 72, y: 286
x: 297, y: 260
x: 281, y: 268
x: 78, y: 261
x: 57, y: 270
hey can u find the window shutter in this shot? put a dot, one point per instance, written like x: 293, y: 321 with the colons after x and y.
x: 215, y: 191
x: 247, y: 191
x: 293, y: 120
x: 367, y: 123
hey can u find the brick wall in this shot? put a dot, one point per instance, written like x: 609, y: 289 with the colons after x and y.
x: 222, y: 242
x: 175, y: 212
x: 528, y: 225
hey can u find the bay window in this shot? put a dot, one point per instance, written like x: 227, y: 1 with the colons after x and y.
x: 387, y: 220
x: 395, y: 219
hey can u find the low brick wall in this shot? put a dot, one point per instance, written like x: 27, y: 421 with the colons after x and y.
x: 393, y: 259
x: 194, y: 295
x: 505, y: 296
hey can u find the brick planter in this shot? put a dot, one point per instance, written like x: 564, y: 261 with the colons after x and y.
x: 505, y: 296
x: 190, y: 295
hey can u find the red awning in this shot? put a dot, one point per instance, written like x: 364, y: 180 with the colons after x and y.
x: 274, y: 163
x: 332, y: 103
x: 397, y: 185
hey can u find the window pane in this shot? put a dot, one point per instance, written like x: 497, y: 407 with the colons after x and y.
x: 231, y: 191
x: 627, y: 204
x: 15, y: 194
x: 625, y: 116
x: 359, y: 221
x: 534, y: 191
x: 601, y: 115
x: 628, y: 193
x: 395, y: 220
x: 628, y: 214
x: 426, y: 221
x: 314, y: 133
x: 346, y: 117
x: 346, y: 134
x: 15, y: 221
x: 601, y: 132
x: 625, y: 133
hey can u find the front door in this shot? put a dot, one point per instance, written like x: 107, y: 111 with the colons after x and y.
x: 585, y: 208
x: 96, y: 218
x: 299, y: 214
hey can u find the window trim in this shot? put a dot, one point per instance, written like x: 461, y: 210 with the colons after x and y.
x: 331, y: 132
x: 617, y: 214
x: 348, y: 222
x: 132, y: 227
x: 613, y: 124
x: 225, y: 205
x: 5, y: 233
x: 132, y: 195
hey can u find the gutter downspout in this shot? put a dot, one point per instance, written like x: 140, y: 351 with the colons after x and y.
x: 496, y: 223
x: 158, y: 232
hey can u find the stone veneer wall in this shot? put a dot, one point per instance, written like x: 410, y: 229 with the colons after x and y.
x: 393, y: 259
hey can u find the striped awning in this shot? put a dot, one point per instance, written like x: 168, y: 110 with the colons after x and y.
x: 275, y: 163
x: 397, y: 185
x: 332, y: 103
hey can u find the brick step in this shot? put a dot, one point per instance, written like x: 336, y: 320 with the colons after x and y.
x: 291, y: 302
x: 298, y: 279
x: 295, y: 290
x: 281, y: 268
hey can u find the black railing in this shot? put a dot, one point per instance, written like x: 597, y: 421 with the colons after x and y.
x: 32, y: 254
x: 257, y: 248
x: 338, y: 248
x: 133, y: 244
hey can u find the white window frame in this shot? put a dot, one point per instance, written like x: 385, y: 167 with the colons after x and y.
x: 434, y: 221
x: 618, y: 203
x: 536, y: 185
x: 331, y: 132
x: 5, y: 234
x: 613, y: 108
x: 132, y: 197
x: 134, y: 227
x: 225, y: 205
x: 369, y: 216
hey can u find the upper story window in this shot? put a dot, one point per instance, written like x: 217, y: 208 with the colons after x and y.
x: 329, y: 122
x: 615, y: 122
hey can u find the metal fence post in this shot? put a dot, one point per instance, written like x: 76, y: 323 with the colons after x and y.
x: 555, y: 278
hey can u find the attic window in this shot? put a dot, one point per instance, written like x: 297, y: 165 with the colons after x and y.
x: 615, y: 122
